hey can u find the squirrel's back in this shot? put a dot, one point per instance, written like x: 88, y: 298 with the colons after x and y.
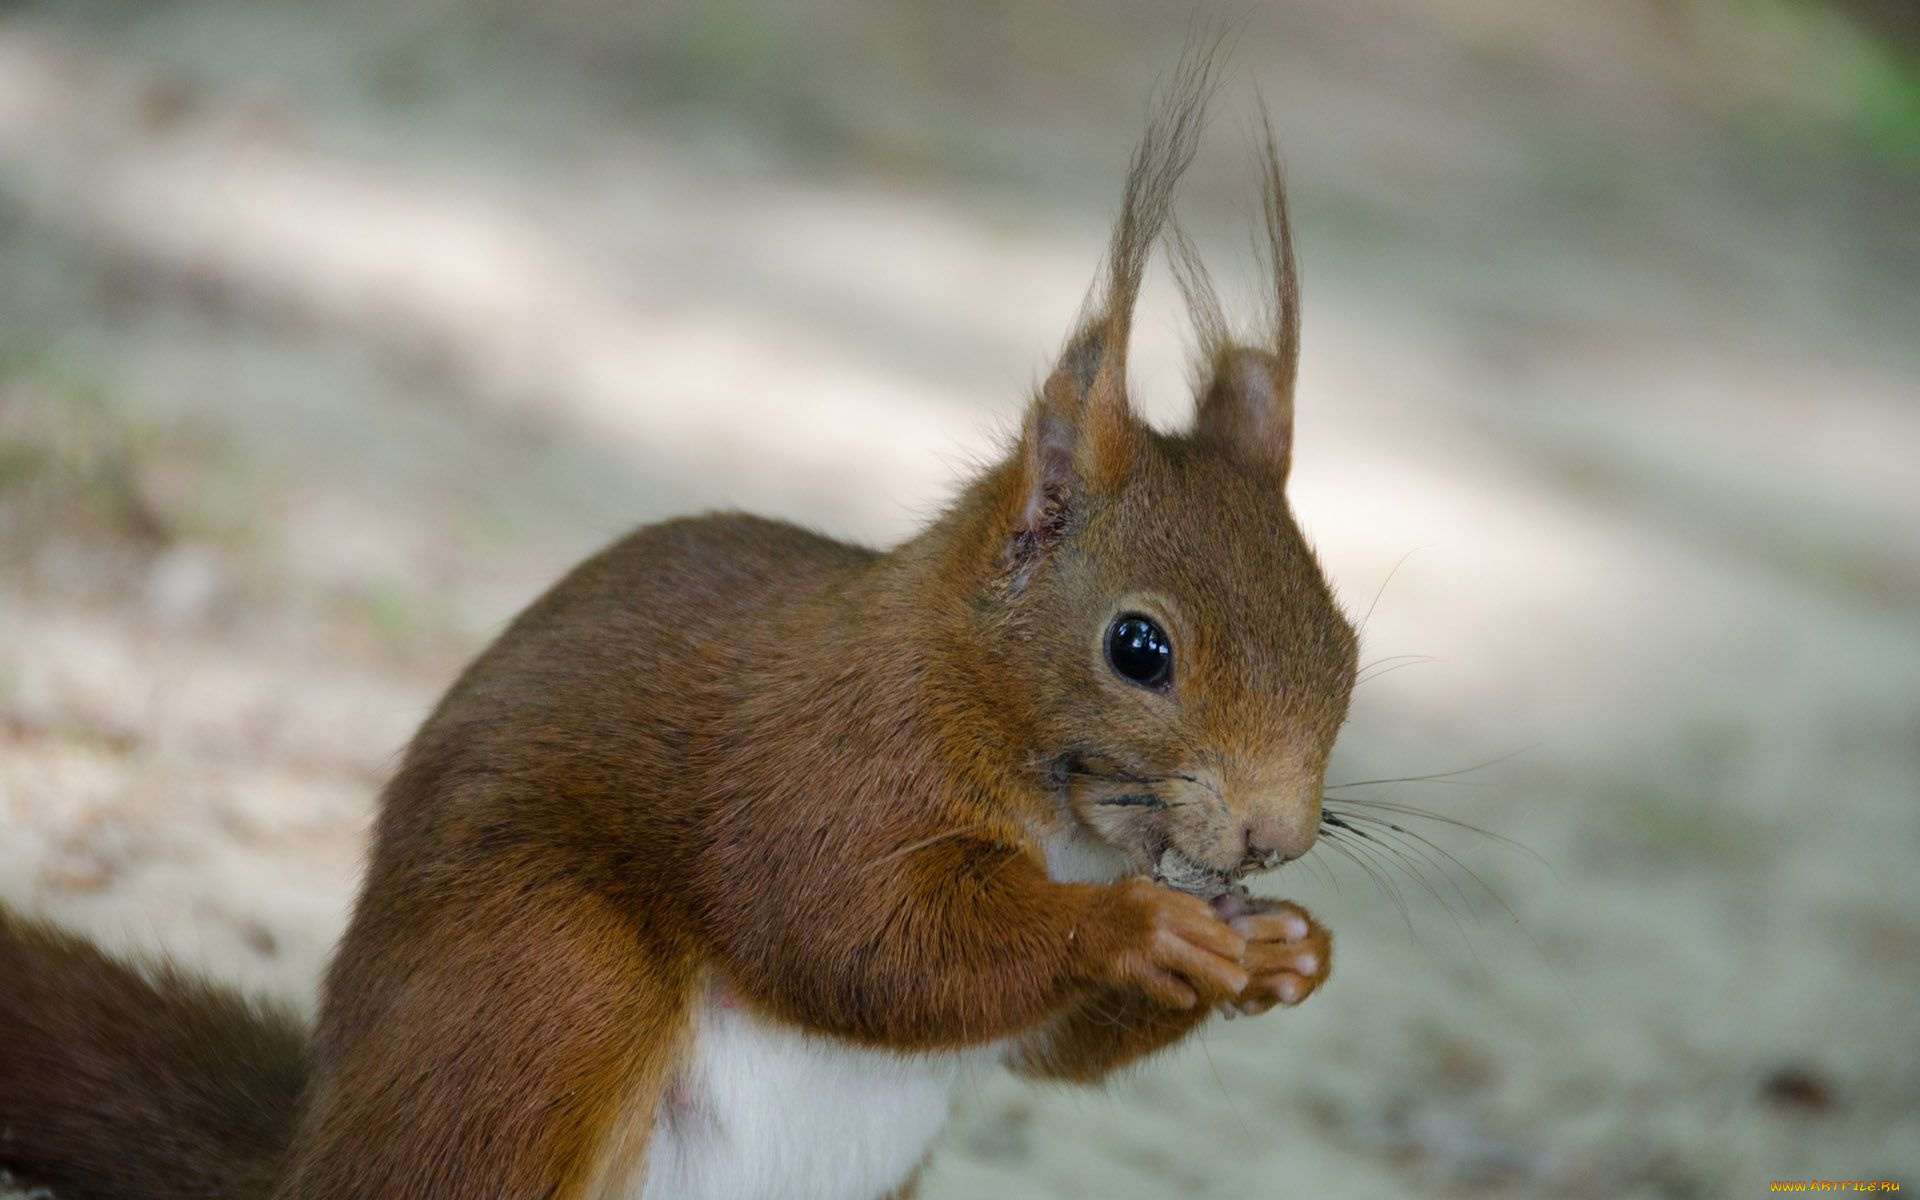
x: 120, y: 1081
x: 700, y: 598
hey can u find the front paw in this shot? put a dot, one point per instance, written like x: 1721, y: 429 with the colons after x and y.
x: 1178, y: 949
x: 1288, y: 954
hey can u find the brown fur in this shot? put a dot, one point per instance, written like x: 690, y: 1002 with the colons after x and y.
x: 728, y: 747
x: 116, y: 1082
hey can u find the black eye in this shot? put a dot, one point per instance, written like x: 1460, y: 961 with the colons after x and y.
x: 1139, y: 650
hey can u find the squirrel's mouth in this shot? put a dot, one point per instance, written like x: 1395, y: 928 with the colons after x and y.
x: 1173, y: 869
x: 1134, y: 810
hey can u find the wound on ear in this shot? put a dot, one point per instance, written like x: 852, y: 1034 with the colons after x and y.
x: 1041, y: 530
x: 1048, y: 476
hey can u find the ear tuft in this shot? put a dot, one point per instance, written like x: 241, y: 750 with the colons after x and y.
x: 1080, y: 433
x: 1244, y: 407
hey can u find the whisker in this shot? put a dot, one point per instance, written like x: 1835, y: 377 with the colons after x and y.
x: 1492, y: 893
x: 1471, y: 873
x: 1390, y: 864
x: 1332, y: 843
x: 1437, y: 775
x: 1382, y: 590
x: 923, y: 843
x: 1343, y: 825
x: 1418, y: 846
x: 1409, y: 861
x: 1411, y: 810
x: 1373, y: 872
x: 1392, y: 658
x: 1364, y: 844
x: 1401, y: 661
x: 1418, y: 854
x: 1326, y: 872
x: 1224, y: 1094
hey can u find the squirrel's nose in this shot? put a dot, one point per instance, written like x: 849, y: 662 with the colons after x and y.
x: 1275, y: 838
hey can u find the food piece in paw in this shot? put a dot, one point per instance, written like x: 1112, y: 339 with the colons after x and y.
x: 1182, y: 874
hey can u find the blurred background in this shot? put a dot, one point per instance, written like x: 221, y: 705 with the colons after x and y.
x: 331, y: 334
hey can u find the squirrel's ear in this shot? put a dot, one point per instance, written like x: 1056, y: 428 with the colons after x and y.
x: 1079, y: 436
x: 1080, y: 433
x: 1246, y: 409
x: 1245, y: 403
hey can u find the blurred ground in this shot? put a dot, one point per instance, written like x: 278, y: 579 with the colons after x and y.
x: 329, y: 336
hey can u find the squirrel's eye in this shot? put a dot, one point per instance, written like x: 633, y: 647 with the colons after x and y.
x: 1139, y: 650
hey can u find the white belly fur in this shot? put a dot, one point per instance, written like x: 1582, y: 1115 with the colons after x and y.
x: 766, y: 1111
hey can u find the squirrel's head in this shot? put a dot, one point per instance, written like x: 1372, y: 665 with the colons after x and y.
x: 1166, y: 644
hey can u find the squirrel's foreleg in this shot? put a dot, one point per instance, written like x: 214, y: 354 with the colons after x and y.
x: 967, y: 941
x: 1110, y: 1029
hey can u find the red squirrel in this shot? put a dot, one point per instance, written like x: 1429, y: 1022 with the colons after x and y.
x: 710, y: 877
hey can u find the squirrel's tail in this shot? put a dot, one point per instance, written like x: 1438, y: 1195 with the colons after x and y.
x: 120, y: 1082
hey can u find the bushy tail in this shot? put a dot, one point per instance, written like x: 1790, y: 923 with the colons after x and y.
x: 117, y: 1082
